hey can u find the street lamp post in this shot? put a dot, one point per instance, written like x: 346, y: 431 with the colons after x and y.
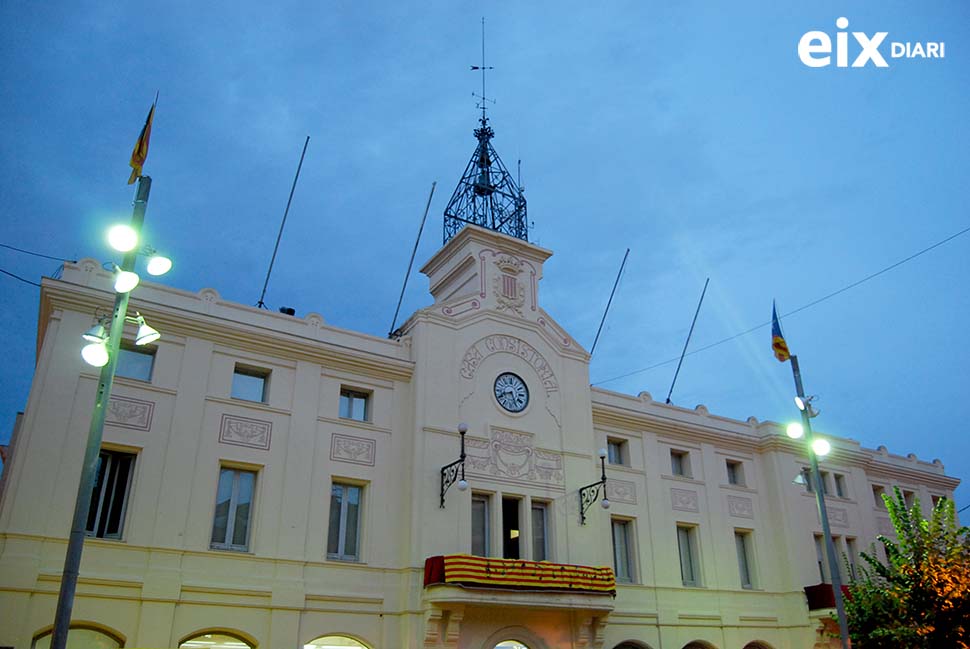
x: 805, y: 406
x: 75, y: 543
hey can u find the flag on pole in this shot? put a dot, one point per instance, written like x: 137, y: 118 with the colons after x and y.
x: 140, y: 152
x: 778, y: 344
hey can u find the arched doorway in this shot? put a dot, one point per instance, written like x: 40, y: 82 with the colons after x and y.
x: 510, y: 644
x: 81, y: 637
x: 335, y: 642
x: 216, y: 640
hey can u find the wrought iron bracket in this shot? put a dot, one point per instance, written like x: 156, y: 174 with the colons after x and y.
x: 450, y: 472
x: 591, y: 492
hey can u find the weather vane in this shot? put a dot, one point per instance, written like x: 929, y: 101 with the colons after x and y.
x: 484, y: 100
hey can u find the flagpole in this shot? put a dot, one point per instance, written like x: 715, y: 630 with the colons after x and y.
x: 92, y: 451
x: 822, y: 511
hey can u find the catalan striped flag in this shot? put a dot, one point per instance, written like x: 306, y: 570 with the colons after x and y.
x: 140, y: 152
x: 778, y: 344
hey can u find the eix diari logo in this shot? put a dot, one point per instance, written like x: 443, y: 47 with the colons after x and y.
x: 815, y: 48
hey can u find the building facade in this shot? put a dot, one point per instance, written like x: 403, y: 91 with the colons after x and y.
x: 272, y: 481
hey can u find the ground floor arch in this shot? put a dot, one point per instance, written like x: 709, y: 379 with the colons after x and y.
x: 82, y: 636
x: 335, y: 642
x: 217, y: 639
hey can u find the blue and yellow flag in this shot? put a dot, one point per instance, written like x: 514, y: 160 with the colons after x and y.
x: 140, y: 152
x: 778, y: 344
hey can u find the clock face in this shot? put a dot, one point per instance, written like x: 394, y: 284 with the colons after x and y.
x: 511, y: 392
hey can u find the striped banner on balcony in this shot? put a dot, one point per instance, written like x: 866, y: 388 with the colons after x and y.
x: 483, y: 572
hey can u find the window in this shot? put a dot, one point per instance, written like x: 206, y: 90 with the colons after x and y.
x: 820, y: 559
x: 249, y: 384
x: 109, y: 500
x: 511, y: 529
x: 135, y: 362
x: 234, y: 501
x: 851, y: 557
x: 214, y: 641
x: 680, y: 463
x: 617, y: 452
x: 354, y: 405
x: 735, y: 472
x: 877, y: 493
x: 809, y: 480
x: 840, y: 489
x: 742, y: 541
x: 480, y: 527
x: 540, y: 544
x: 687, y: 546
x: 825, y: 482
x: 909, y: 498
x: 344, y: 534
x: 78, y: 636
x: 622, y: 546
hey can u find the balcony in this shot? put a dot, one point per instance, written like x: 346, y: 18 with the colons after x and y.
x: 480, y: 581
x: 821, y: 596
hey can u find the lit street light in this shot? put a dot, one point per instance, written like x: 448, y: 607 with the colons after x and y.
x: 102, y: 351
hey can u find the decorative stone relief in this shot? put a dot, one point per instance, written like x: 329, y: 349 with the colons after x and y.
x: 885, y: 526
x: 621, y: 491
x: 509, y: 293
x: 355, y: 450
x: 740, y: 507
x: 838, y: 517
x: 314, y: 320
x: 129, y: 413
x: 684, y: 500
x: 453, y: 629
x: 432, y: 627
x: 462, y: 306
x: 500, y: 343
x: 242, y: 431
x: 561, y: 336
x: 512, y: 455
x: 208, y: 296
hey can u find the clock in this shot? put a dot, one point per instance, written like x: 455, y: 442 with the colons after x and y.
x: 511, y: 392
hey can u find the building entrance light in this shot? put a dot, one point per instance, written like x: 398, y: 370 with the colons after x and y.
x: 455, y: 472
x: 589, y: 493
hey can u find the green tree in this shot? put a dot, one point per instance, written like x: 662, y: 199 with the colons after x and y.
x: 919, y: 597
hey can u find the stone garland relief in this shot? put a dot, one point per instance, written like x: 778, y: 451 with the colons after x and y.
x: 130, y: 413
x: 512, y: 455
x: 838, y: 517
x: 355, y: 450
x: 740, y: 507
x: 621, y: 491
x: 684, y: 500
x: 241, y: 431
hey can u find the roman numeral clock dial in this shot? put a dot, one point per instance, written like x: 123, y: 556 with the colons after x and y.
x: 511, y: 392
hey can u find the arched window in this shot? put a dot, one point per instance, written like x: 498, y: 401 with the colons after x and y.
x: 510, y: 644
x: 334, y: 642
x: 215, y: 640
x: 81, y: 638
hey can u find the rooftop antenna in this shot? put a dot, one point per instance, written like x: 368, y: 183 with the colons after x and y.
x: 393, y: 332
x: 609, y: 302
x: 487, y: 194
x: 261, y: 304
x: 687, y: 342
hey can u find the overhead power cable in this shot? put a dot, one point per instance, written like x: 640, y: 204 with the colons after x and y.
x: 789, y: 313
x: 36, y: 254
x: 26, y: 281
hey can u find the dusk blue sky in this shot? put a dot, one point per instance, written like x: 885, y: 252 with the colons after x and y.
x: 691, y: 134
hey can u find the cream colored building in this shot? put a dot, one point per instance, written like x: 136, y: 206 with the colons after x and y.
x: 274, y: 481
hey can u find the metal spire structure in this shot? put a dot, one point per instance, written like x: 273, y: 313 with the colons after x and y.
x: 487, y: 195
